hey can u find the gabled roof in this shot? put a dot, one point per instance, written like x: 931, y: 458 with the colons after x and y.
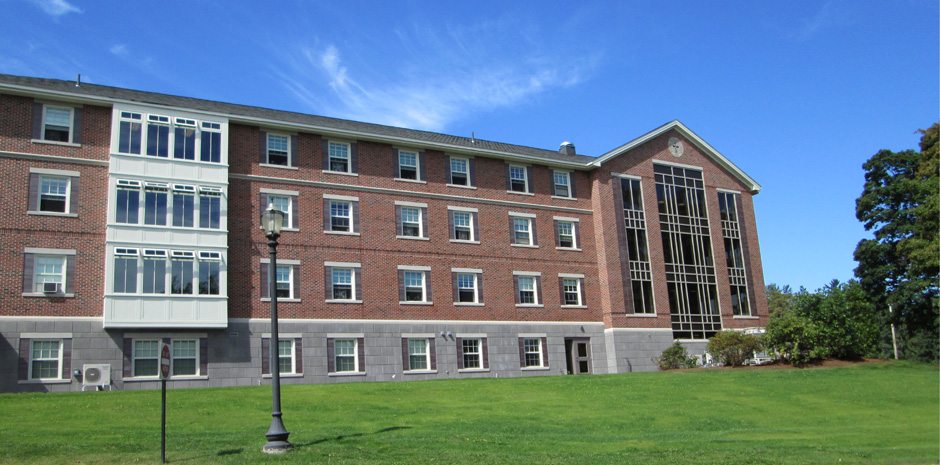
x: 703, y: 146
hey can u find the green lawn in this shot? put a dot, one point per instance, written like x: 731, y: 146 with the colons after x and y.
x: 867, y: 413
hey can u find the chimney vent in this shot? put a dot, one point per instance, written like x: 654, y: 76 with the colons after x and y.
x: 567, y: 148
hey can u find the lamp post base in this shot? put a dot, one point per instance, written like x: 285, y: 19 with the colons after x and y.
x: 277, y: 437
x: 276, y: 447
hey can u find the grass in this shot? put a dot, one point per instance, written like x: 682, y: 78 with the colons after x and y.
x: 867, y: 413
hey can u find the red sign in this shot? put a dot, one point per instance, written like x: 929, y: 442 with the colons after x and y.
x: 165, y: 361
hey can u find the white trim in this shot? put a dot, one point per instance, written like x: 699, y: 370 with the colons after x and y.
x: 470, y: 335
x: 466, y: 270
x: 416, y: 181
x: 343, y: 264
x: 44, y: 251
x: 677, y: 165
x: 527, y: 273
x: 403, y: 203
x: 413, y: 268
x: 532, y: 335
x: 280, y: 192
x: 280, y: 167
x: 641, y: 330
x: 525, y: 246
x: 281, y: 261
x: 45, y: 335
x: 340, y: 301
x: 566, y: 218
x: 520, y: 193
x: 463, y: 209
x: 341, y: 173
x: 413, y: 238
x: 419, y: 335
x: 345, y: 198
x: 283, y: 335
x: 341, y: 233
x: 461, y: 186
x: 564, y: 198
x: 571, y: 275
x: 728, y: 191
x: 73, y: 174
x: 462, y: 241
x: 137, y: 335
x: 523, y: 215
x: 626, y: 176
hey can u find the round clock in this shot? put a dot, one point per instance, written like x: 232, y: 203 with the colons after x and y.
x: 675, y: 146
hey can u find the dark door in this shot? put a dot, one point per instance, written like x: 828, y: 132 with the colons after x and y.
x: 579, y: 355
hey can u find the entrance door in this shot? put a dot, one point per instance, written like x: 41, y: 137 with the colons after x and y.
x: 578, y: 351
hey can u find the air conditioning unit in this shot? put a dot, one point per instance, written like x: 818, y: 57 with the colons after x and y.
x: 50, y: 288
x: 96, y: 374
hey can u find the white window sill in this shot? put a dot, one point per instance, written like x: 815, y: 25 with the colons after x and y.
x: 342, y: 301
x: 570, y: 249
x: 283, y: 167
x: 41, y: 294
x: 413, y: 238
x: 341, y: 233
x: 140, y: 379
x: 414, y: 303
x: 520, y: 193
x: 564, y: 198
x: 176, y: 160
x: 461, y: 186
x: 642, y: 315
x: 280, y: 299
x: 468, y: 304
x: 474, y: 370
x: 529, y: 305
x: 52, y: 142
x: 745, y: 317
x: 574, y: 306
x: 168, y: 296
x: 341, y: 173
x: 342, y: 374
x: 166, y: 227
x: 420, y: 372
x: 284, y: 375
x: 416, y: 181
x: 463, y: 241
x: 525, y: 246
x: 44, y: 381
x: 41, y: 213
x: 535, y: 368
x: 290, y: 229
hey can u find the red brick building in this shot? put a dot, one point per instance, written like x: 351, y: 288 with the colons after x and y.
x: 131, y: 218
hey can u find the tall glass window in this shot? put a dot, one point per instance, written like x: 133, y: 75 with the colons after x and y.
x: 210, y: 211
x: 209, y: 277
x: 158, y: 136
x: 184, y: 141
x: 155, y: 206
x: 155, y: 275
x: 181, y: 277
x: 127, y: 203
x: 211, y: 149
x: 634, y: 217
x: 734, y: 253
x: 125, y: 274
x: 129, y: 133
x: 183, y: 209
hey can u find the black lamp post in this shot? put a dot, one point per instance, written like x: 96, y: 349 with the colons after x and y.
x: 271, y: 221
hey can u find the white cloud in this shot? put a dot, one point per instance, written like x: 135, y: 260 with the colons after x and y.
x: 119, y: 50
x: 56, y: 8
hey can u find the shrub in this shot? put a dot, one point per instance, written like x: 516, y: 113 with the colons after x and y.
x: 675, y: 357
x: 733, y: 348
x: 796, y: 338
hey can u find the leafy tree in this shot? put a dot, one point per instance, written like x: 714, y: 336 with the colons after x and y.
x: 675, y: 357
x: 900, y: 204
x: 796, y: 338
x: 779, y: 298
x: 733, y: 348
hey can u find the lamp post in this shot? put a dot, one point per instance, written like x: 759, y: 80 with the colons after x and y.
x: 271, y: 221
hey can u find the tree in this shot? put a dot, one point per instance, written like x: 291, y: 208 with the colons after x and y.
x: 900, y: 266
x: 779, y: 299
x: 796, y: 338
x: 733, y: 348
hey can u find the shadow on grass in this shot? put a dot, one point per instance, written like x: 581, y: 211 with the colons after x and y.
x: 348, y: 436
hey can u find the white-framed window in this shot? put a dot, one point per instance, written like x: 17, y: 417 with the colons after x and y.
x: 210, y: 264
x: 463, y: 225
x: 518, y: 178
x: 127, y: 201
x: 415, y: 286
x: 154, y: 261
x: 419, y: 355
x: 466, y: 287
x: 561, y: 181
x: 522, y: 231
x: 58, y: 123
x: 278, y: 149
x: 146, y: 358
x: 210, y: 207
x: 285, y: 356
x: 181, y: 272
x: 408, y: 165
x: 45, y: 359
x: 129, y: 132
x: 49, y: 271
x: 158, y: 136
x: 185, y: 357
x: 339, y: 153
x: 155, y: 203
x: 346, y: 355
x: 283, y: 203
x: 532, y: 352
x: 567, y: 237
x: 184, y: 205
x: 184, y: 139
x: 284, y: 281
x: 211, y: 146
x: 341, y: 215
x: 125, y: 270
x: 459, y: 171
x: 343, y: 283
x: 527, y: 290
x: 411, y: 221
x: 472, y: 353
x: 571, y: 291
x: 54, y: 193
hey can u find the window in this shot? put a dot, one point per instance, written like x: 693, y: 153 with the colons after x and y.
x: 286, y: 279
x: 570, y: 287
x: 522, y: 231
x: 278, y: 149
x: 209, y: 264
x: 57, y: 124
x: 210, y: 207
x: 532, y: 352
x: 410, y: 221
x: 283, y: 281
x: 146, y: 358
x: 471, y: 354
x: 408, y: 165
x: 342, y: 283
x: 565, y: 234
x: 185, y: 355
x: 184, y: 139
x: 211, y: 136
x: 282, y: 203
x: 345, y: 355
x: 125, y: 270
x: 184, y: 203
x: 158, y: 135
x: 129, y: 133
x: 467, y: 285
x: 419, y: 357
x: 734, y: 252
x: 181, y: 275
x: 45, y: 359
x: 526, y: 287
x: 562, y: 184
x: 49, y: 271
x: 53, y: 194
x: 518, y: 178
x: 342, y: 214
x: 155, y: 210
x: 414, y: 286
x: 460, y: 171
x: 127, y: 202
x: 154, y: 271
x: 339, y: 157
x: 285, y: 356
x: 463, y: 225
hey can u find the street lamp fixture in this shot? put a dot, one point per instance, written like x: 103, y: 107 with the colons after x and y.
x: 272, y: 220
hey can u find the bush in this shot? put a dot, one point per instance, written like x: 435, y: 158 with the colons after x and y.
x: 796, y: 338
x: 675, y: 357
x: 733, y: 348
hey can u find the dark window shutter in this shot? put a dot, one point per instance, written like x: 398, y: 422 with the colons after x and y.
x: 476, y: 226
x: 581, y: 291
x: 401, y: 285
x: 515, y: 283
x: 204, y: 356
x: 263, y: 203
x: 28, y: 267
x: 330, y: 355
x: 265, y: 282
x: 530, y: 181
x: 293, y: 152
x: 454, y: 286
x: 263, y: 147
x: 422, y: 170
x: 294, y: 212
x: 66, y: 358
x: 538, y: 290
x: 405, y: 365
x: 459, y: 353
x: 576, y: 227
x: 570, y: 184
x: 427, y: 287
x: 73, y: 194
x: 398, y: 225
x: 535, y: 234
x: 450, y: 221
x: 70, y: 274
x: 561, y: 290
x: 24, y: 359
x: 356, y: 227
x: 357, y: 277
x: 424, y: 222
x: 265, y: 356
x: 33, y: 192
x: 328, y: 282
x: 449, y: 179
x: 354, y: 157
x: 76, y: 125
x: 480, y: 288
x: 299, y: 355
x: 327, y: 226
x: 37, y: 120
x: 361, y: 353
x: 295, y: 275
x: 557, y: 233
x: 545, y: 352
x: 397, y: 165
x: 471, y: 163
x: 325, y: 151
x: 521, y: 352
x: 508, y: 177
x: 128, y: 354
x: 512, y: 233
x: 433, y: 352
x: 485, y: 354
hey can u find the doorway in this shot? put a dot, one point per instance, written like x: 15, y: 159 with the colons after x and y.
x: 578, y: 355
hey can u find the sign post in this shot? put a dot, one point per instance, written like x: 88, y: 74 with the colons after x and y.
x: 164, y: 374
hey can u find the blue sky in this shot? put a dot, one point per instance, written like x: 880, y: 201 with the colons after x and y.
x: 798, y: 94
